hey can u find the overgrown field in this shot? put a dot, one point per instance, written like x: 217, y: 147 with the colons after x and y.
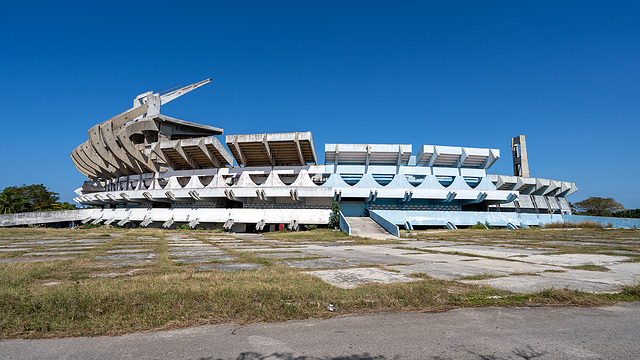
x: 592, y: 240
x: 77, y: 297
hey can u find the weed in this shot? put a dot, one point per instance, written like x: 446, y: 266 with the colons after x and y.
x: 479, y: 225
x: 589, y: 268
x: 420, y: 275
x: 314, y: 235
x: 481, y: 277
x: 524, y: 274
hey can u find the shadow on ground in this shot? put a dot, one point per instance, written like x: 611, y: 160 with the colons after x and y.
x: 527, y: 353
x: 288, y: 356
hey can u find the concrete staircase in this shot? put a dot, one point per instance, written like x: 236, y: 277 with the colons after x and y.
x: 366, y: 227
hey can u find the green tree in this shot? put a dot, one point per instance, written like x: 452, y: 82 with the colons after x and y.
x: 334, y: 220
x: 24, y: 198
x: 39, y: 197
x: 66, y: 206
x: 10, y: 202
x: 598, y: 206
x: 631, y: 213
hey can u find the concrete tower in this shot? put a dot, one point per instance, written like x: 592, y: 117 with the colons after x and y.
x: 520, y: 159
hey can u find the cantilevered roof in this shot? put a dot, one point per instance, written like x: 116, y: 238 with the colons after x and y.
x: 196, y: 153
x: 367, y: 154
x: 534, y: 186
x: 280, y: 149
x: 457, y: 157
x: 183, y: 127
x: 120, y: 145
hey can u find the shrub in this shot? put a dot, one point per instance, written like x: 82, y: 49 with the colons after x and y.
x: 479, y: 225
x: 334, y: 220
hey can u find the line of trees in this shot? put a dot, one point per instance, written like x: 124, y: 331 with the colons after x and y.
x: 27, y: 198
x: 597, y: 206
x: 632, y: 213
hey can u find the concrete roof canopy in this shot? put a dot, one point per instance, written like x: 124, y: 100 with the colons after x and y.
x: 277, y: 149
x: 457, y: 157
x: 195, y: 153
x: 367, y: 154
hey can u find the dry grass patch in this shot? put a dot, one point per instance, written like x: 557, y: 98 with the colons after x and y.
x: 481, y: 277
x: 533, y: 234
x: 311, y: 235
x: 573, y: 241
x: 367, y: 241
x: 589, y: 268
x: 167, y: 295
x: 144, y: 302
x: 524, y: 274
x: 577, y: 225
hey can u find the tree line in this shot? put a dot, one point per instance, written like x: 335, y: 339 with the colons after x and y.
x: 597, y: 206
x: 28, y: 198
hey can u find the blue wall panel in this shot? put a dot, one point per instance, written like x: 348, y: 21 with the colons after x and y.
x: 615, y: 222
x: 468, y: 218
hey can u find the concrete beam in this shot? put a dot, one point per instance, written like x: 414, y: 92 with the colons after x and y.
x: 268, y: 150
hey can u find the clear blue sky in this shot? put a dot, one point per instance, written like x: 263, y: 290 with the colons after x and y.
x: 565, y: 74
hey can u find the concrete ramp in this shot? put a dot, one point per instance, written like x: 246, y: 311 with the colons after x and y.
x: 366, y: 227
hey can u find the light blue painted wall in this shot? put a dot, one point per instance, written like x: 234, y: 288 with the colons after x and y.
x: 440, y: 218
x: 344, y: 225
x: 387, y: 225
x: 352, y: 209
x: 615, y: 222
x: 468, y: 218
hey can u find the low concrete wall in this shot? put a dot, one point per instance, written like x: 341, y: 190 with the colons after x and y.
x: 464, y: 218
x: 539, y: 219
x: 388, y: 219
x: 604, y: 221
x: 344, y: 225
x: 387, y: 225
x: 469, y: 218
x: 44, y: 217
x: 440, y: 218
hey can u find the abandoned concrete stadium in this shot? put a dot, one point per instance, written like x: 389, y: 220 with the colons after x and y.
x: 147, y: 169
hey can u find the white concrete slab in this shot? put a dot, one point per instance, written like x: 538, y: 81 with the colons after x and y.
x: 351, y: 278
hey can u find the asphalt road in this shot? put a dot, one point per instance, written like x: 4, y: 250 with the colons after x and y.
x: 483, y: 333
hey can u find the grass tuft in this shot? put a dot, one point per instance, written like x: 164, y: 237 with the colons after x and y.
x: 589, y: 268
x: 481, y: 277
